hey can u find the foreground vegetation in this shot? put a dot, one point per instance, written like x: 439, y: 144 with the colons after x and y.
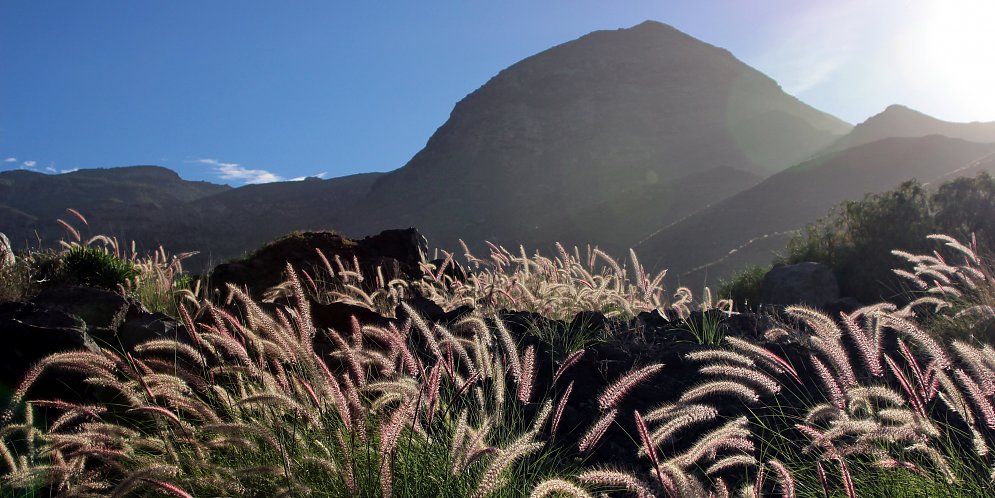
x: 856, y: 238
x: 260, y: 402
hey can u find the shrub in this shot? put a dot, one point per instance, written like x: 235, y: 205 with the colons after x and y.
x: 965, y: 208
x: 15, y: 280
x: 24, y: 278
x: 160, y: 283
x: 96, y: 267
x: 856, y: 237
x: 743, y: 287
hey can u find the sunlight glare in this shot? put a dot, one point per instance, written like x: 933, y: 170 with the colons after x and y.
x: 947, y: 54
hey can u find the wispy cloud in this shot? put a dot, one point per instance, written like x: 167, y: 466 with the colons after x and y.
x: 236, y: 172
x: 814, y: 47
x: 51, y: 169
x: 10, y: 160
x: 64, y: 171
x: 29, y: 164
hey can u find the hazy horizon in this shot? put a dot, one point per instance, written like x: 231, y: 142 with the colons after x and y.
x: 246, y: 92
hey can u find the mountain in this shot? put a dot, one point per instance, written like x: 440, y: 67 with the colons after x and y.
x: 605, y: 139
x: 115, y: 200
x: 751, y: 225
x: 232, y: 222
x: 900, y: 121
x: 619, y: 223
x: 586, y: 122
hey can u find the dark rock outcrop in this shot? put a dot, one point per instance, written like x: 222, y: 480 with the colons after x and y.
x: 110, y: 318
x: 30, y: 333
x: 63, y: 319
x: 396, y: 252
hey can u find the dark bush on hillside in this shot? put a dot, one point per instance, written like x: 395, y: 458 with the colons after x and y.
x: 15, y: 280
x: 743, y: 288
x: 856, y: 238
x: 94, y: 267
x: 966, y: 206
x: 28, y: 274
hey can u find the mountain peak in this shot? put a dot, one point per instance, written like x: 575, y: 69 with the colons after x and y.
x: 899, y: 111
x: 588, y: 121
x: 655, y: 33
x: 137, y: 172
x: 650, y: 25
x: 898, y: 108
x: 898, y: 121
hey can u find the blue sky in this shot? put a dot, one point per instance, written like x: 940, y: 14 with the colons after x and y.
x: 243, y: 91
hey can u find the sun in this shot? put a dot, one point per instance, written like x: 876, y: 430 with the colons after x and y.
x: 947, y: 54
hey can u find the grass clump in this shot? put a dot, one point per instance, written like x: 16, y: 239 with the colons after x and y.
x: 156, y: 279
x: 262, y: 402
x: 96, y: 267
x: 249, y: 406
x: 706, y: 327
x: 556, y: 287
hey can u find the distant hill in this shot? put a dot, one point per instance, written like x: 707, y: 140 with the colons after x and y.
x: 758, y: 221
x: 237, y: 220
x: 115, y: 200
x: 900, y: 121
x: 589, y: 121
x: 619, y: 223
x: 605, y: 139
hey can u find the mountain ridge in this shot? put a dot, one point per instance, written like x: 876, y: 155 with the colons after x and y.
x: 585, y: 121
x: 901, y: 121
x: 746, y: 227
x: 629, y: 135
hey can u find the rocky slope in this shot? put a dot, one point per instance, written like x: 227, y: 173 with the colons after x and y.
x: 596, y: 140
x: 751, y: 225
x: 117, y: 201
x: 228, y: 224
x: 619, y: 223
x: 900, y: 121
x: 586, y: 122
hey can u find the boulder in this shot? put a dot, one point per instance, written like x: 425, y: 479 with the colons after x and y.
x: 453, y: 270
x: 62, y: 319
x: 806, y: 283
x: 109, y: 318
x: 338, y: 316
x: 6, y: 252
x: 396, y: 252
x: 29, y: 333
x: 424, y: 307
x: 842, y: 305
